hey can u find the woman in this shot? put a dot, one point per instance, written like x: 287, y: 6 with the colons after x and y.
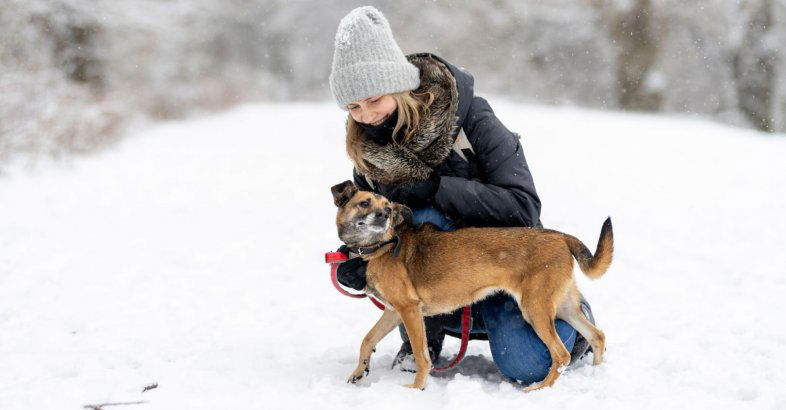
x: 417, y: 135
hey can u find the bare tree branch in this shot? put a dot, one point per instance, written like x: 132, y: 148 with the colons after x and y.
x: 102, y: 405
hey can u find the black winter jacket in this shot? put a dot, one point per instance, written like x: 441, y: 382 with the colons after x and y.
x: 493, y: 188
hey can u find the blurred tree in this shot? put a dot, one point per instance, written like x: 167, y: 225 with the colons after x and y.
x: 755, y: 62
x: 630, y: 25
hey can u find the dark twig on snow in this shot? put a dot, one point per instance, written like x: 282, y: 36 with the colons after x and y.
x: 102, y: 405
x: 150, y: 387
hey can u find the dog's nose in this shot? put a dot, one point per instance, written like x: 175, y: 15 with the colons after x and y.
x: 380, y: 215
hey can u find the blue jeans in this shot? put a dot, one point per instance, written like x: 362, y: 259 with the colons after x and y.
x: 516, y: 349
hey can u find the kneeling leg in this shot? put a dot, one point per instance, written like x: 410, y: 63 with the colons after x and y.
x: 517, y: 350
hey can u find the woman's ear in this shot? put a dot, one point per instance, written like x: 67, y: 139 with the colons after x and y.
x: 343, y: 192
x: 401, y: 215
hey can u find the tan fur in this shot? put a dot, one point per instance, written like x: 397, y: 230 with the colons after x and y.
x: 438, y: 272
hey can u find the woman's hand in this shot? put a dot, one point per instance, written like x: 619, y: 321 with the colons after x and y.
x: 351, y: 273
x: 414, y: 194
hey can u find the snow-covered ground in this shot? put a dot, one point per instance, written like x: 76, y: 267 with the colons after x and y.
x: 191, y: 256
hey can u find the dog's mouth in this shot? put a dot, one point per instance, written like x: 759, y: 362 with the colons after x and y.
x: 375, y: 226
x: 374, y: 222
x: 367, y: 228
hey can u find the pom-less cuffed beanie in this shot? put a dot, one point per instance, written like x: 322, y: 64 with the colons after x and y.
x: 367, y: 61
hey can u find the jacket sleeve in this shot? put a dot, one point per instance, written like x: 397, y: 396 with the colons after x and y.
x: 505, y: 194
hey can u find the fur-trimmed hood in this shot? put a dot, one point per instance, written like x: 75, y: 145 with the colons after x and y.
x: 432, y: 141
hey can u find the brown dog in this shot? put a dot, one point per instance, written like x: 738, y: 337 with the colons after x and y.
x: 421, y: 271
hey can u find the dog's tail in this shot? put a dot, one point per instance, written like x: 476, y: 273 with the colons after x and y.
x: 594, y: 266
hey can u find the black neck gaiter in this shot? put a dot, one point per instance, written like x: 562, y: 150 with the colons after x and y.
x: 382, y: 134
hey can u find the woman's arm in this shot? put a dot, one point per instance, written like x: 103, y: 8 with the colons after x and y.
x: 505, y: 194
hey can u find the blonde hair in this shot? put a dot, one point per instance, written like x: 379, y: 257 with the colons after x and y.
x: 411, y: 106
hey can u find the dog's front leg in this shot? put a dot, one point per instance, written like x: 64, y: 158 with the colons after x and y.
x: 384, y: 325
x: 416, y: 330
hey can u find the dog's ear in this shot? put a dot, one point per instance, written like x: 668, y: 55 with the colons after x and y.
x: 401, y: 214
x: 343, y: 192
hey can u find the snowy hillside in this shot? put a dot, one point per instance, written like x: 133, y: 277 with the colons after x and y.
x: 192, y: 256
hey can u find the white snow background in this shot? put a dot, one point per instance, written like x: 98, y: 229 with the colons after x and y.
x: 191, y: 255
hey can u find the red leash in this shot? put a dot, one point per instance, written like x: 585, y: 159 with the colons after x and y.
x: 466, y: 325
x: 336, y: 258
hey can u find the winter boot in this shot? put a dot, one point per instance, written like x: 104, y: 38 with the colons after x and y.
x: 405, y: 360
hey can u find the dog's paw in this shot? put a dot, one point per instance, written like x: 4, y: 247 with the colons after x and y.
x: 415, y: 386
x: 357, y: 376
x: 354, y: 379
x: 597, y: 358
x: 533, y: 387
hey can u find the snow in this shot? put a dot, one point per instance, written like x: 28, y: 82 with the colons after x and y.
x: 191, y: 255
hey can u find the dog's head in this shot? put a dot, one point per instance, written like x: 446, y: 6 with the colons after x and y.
x: 365, y: 218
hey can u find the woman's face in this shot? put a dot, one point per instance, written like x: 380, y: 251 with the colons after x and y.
x: 372, y: 110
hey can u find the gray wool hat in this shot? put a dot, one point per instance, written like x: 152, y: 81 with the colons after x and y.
x: 366, y: 59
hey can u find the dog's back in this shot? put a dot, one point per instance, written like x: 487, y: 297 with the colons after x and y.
x: 452, y: 269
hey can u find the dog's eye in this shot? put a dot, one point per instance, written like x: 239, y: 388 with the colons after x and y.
x: 364, y: 204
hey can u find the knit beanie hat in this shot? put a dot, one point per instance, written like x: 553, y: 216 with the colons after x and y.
x: 366, y: 59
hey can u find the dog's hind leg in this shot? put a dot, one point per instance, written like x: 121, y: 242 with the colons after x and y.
x: 384, y: 325
x: 541, y: 317
x: 570, y: 311
x: 416, y: 330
